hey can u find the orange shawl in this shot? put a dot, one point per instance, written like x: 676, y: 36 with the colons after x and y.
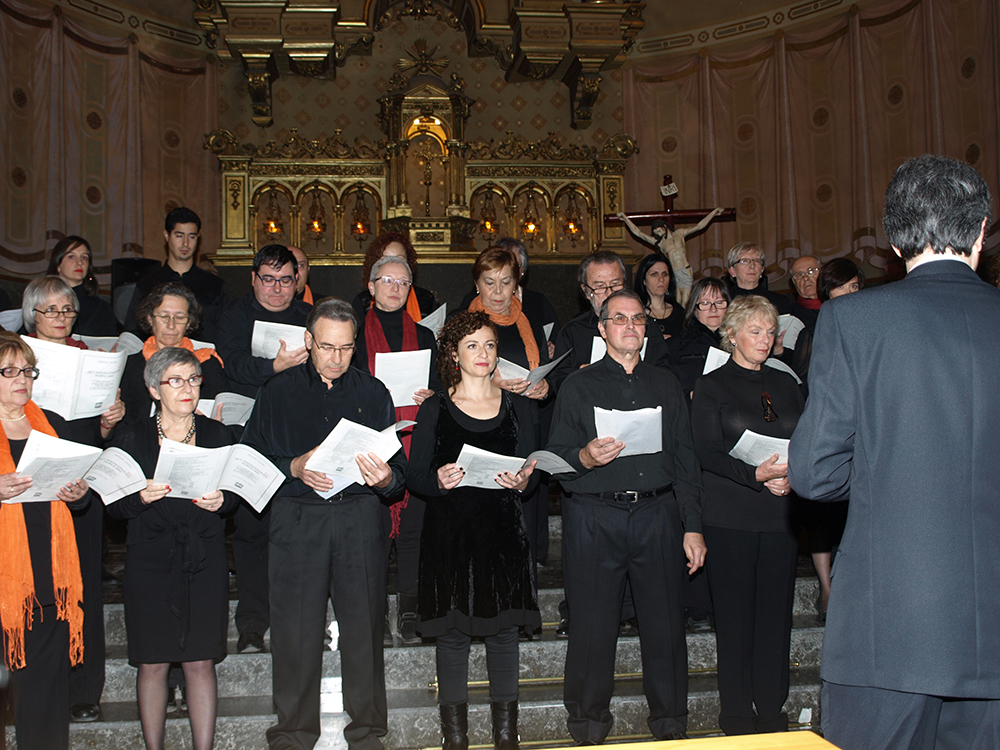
x: 17, y: 581
x: 150, y: 348
x: 515, y: 317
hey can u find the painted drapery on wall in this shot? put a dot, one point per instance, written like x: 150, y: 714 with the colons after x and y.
x: 801, y: 133
x: 99, y: 139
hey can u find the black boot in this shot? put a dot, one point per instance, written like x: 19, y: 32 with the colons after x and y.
x: 455, y: 726
x: 406, y: 619
x: 505, y: 726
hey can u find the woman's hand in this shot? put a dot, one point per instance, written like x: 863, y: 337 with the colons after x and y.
x: 516, y: 481
x: 449, y: 476
x: 422, y: 395
x: 779, y: 487
x: 113, y: 416
x: 778, y: 349
x: 153, y: 492
x: 375, y: 471
x: 540, y: 391
x: 771, y: 469
x: 73, y: 491
x: 514, y: 385
x: 210, y: 502
x: 11, y: 485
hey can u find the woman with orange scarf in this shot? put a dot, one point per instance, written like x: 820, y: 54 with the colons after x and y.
x: 168, y: 313
x: 41, y: 590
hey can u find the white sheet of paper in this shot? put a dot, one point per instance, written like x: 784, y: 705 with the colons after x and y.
x: 193, y: 472
x: 335, y: 456
x: 75, y: 383
x: 267, y: 338
x: 511, y: 371
x: 236, y: 408
x: 12, y: 320
x: 550, y: 463
x: 598, y: 349
x: 547, y: 330
x: 640, y: 429
x: 482, y: 467
x: 127, y: 342
x: 251, y: 476
x: 717, y: 358
x: 755, y: 449
x: 792, y: 327
x: 115, y: 475
x: 777, y: 364
x: 435, y: 320
x: 202, y: 344
x: 51, y: 463
x: 403, y: 373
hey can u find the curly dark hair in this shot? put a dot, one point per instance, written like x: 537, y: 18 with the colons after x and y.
x: 152, y: 301
x: 456, y: 328
x: 378, y: 246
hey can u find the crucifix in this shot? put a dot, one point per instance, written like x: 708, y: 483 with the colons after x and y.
x: 666, y: 238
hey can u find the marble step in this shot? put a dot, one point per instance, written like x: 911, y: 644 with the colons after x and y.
x: 806, y: 592
x: 413, y: 668
x: 413, y: 718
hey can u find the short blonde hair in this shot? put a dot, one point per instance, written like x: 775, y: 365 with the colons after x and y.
x: 740, y: 312
x: 740, y: 249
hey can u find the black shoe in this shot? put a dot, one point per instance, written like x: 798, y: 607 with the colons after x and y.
x: 406, y: 619
x: 455, y: 726
x: 628, y: 628
x: 505, y: 725
x: 85, y: 712
x: 562, y: 629
x: 699, y: 623
x: 677, y: 734
x: 250, y: 642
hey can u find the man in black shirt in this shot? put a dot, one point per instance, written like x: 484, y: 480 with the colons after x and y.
x: 323, y: 548
x: 634, y: 515
x: 271, y: 299
x: 182, y: 231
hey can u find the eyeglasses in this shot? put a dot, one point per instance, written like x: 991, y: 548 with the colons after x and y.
x: 770, y: 415
x: 810, y: 272
x: 718, y: 304
x: 178, y: 382
x: 623, y: 320
x: 12, y: 372
x: 285, y: 281
x: 389, y: 281
x: 614, y: 286
x: 331, y: 349
x: 750, y: 262
x: 66, y: 312
x: 168, y: 319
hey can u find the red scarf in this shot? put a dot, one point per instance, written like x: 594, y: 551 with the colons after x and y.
x: 17, y: 580
x: 809, y: 304
x: 376, y: 343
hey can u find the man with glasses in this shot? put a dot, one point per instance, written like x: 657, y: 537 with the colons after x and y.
x: 326, y: 545
x: 746, y: 276
x: 272, y: 299
x: 805, y: 273
x: 626, y: 514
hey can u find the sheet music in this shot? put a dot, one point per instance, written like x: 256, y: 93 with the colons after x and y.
x: 482, y: 467
x: 435, y: 320
x: 115, y: 475
x: 640, y: 429
x: 75, y: 383
x: 403, y: 373
x: 792, y: 327
x: 267, y: 338
x: 755, y: 449
x: 52, y: 463
x: 127, y: 342
x: 335, y: 456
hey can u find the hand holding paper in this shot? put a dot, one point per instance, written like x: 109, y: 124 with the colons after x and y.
x: 640, y: 429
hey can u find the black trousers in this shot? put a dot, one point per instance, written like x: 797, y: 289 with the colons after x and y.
x: 250, y: 550
x: 39, y: 693
x: 452, y: 657
x: 603, y: 542
x: 752, y: 578
x: 317, y: 552
x: 86, y: 680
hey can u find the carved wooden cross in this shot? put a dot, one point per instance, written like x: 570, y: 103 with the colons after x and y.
x: 669, y: 214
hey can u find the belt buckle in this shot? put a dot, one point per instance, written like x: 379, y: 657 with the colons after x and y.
x: 627, y: 496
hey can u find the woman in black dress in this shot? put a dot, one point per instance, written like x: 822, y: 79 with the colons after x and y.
x: 70, y: 260
x: 176, y: 570
x: 656, y: 287
x: 746, y: 517
x: 702, y: 318
x: 475, y: 566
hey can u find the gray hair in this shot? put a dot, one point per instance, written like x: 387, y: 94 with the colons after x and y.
x: 601, y: 257
x: 334, y: 309
x: 740, y: 249
x: 163, y: 360
x: 38, y: 291
x: 515, y: 246
x: 620, y: 294
x: 740, y: 312
x: 385, y: 261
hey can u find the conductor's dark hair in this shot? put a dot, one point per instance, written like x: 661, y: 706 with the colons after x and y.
x: 181, y: 215
x: 936, y: 202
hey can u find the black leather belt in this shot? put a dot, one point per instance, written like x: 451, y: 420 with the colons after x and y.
x: 631, y: 496
x: 334, y: 498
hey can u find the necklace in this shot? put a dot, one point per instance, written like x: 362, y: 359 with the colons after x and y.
x: 159, y: 429
x: 15, y: 419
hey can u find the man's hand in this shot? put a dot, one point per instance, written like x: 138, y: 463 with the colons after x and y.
x: 600, y: 452
x: 314, y: 479
x: 375, y: 471
x: 695, y: 550
x: 286, y: 358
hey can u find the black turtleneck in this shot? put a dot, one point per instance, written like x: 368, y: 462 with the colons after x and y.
x: 392, y: 327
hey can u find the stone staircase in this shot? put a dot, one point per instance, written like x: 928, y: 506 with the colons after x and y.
x: 245, y: 709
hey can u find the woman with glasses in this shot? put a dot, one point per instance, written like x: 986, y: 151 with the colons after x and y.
x: 746, y: 517
x: 419, y: 301
x: 71, y: 261
x: 50, y: 307
x: 388, y: 327
x: 168, y: 313
x: 176, y: 582
x: 656, y: 287
x: 746, y: 276
x: 702, y: 318
x: 41, y: 590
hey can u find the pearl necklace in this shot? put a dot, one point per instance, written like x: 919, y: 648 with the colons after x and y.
x: 159, y: 429
x: 14, y: 419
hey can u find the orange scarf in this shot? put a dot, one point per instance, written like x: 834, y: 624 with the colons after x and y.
x: 514, y: 317
x: 150, y: 348
x: 307, y: 295
x: 17, y: 581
